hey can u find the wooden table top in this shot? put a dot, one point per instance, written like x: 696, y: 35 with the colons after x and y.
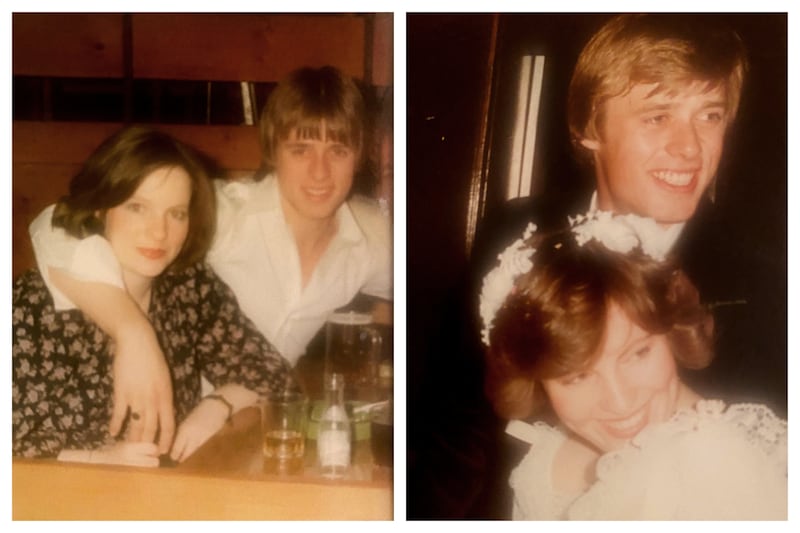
x: 236, y: 451
x: 223, y: 480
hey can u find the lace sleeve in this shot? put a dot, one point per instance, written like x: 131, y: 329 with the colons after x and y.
x: 535, y: 498
x: 711, y: 463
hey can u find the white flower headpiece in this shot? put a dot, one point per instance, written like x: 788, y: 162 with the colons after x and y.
x: 619, y: 233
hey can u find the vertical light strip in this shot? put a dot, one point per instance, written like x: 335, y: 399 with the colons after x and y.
x: 478, y: 181
x: 523, y: 152
x: 247, y: 104
x: 517, y: 149
x: 534, y: 100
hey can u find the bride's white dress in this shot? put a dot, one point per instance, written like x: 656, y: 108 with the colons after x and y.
x: 709, y: 463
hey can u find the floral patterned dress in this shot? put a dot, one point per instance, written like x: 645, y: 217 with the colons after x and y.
x: 62, y: 379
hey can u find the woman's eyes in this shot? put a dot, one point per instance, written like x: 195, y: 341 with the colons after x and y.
x: 643, y: 351
x: 574, y: 379
x: 180, y: 214
x: 638, y: 353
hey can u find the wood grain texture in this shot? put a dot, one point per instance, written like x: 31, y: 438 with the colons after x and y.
x: 383, y: 50
x: 233, y: 147
x: 251, y: 47
x: 49, y: 490
x: 67, y: 45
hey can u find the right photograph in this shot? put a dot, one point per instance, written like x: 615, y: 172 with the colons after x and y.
x: 597, y: 266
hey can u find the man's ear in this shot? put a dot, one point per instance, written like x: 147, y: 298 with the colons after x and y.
x: 590, y: 144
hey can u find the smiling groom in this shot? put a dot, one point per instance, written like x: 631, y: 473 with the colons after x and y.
x: 650, y: 104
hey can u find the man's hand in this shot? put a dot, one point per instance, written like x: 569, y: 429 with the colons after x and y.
x: 142, y: 384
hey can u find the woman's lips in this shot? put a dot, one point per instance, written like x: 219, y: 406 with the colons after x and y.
x: 152, y: 253
x: 628, y: 427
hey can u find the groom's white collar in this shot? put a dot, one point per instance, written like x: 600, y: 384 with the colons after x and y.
x: 667, y: 237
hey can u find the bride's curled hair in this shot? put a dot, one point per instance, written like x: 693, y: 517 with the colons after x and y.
x: 553, y: 321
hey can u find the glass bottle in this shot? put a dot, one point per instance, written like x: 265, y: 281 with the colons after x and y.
x: 334, y: 439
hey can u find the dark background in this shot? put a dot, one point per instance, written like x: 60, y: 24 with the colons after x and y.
x: 452, y: 69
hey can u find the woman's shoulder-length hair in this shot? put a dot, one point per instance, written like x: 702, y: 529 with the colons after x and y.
x: 114, y: 171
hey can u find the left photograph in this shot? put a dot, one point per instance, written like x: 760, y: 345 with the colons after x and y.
x: 202, y: 266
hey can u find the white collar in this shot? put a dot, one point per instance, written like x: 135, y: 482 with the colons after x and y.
x: 666, y: 237
x: 267, y: 199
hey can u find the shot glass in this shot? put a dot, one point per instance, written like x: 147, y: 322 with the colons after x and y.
x: 283, y: 421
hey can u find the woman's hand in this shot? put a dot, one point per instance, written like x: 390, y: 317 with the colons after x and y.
x: 119, y: 453
x: 202, y: 423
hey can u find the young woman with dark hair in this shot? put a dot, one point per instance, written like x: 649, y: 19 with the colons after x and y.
x: 149, y: 197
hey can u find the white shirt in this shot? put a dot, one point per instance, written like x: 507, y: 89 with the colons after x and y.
x: 255, y: 254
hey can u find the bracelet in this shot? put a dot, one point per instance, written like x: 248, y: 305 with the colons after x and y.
x: 221, y: 398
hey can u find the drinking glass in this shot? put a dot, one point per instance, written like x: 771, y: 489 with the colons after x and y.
x: 353, y: 349
x: 284, y: 419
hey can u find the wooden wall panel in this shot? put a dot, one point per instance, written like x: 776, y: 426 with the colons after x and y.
x: 261, y: 48
x: 35, y: 186
x: 68, y: 45
x: 56, y: 142
x: 383, y: 50
x: 233, y: 147
x: 251, y: 47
